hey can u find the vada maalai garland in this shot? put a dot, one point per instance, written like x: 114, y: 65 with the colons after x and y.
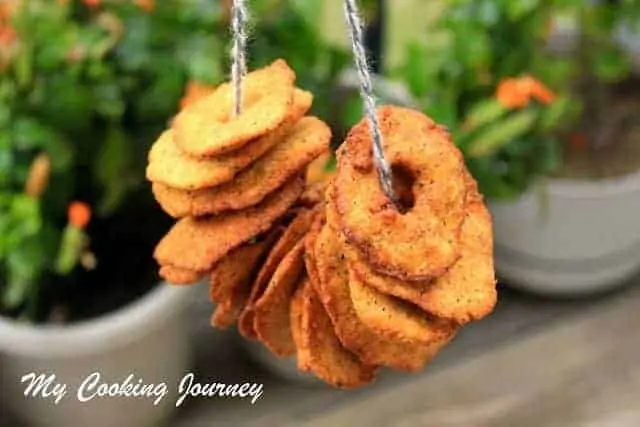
x: 328, y: 269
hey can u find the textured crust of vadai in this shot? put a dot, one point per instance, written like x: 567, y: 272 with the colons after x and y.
x: 423, y: 242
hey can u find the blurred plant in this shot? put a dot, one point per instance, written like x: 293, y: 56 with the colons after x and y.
x: 291, y: 30
x: 85, y: 87
x: 507, y: 99
x: 603, y: 62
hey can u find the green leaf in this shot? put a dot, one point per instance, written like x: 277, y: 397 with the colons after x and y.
x: 71, y: 245
x: 517, y: 9
x: 5, y: 222
x: 133, y: 51
x: 51, y: 56
x: 20, y: 224
x: 161, y: 99
x: 550, y: 158
x: 201, y: 55
x: 21, y: 276
x: 554, y: 115
x: 25, y: 267
x: 113, y: 170
x: 353, y: 110
x: 488, y: 12
x: 109, y: 101
x: 203, y: 12
x: 29, y: 134
x: 501, y: 133
x: 67, y: 103
x: 98, y: 70
x: 26, y: 210
x: 611, y: 65
x: 414, y: 71
x: 443, y: 112
x: 6, y: 159
x: 23, y: 62
x: 5, y: 115
x: 309, y: 10
x: 556, y: 72
x: 472, y: 46
x: 483, y: 113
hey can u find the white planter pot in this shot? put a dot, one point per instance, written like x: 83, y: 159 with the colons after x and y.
x: 586, y: 240
x: 148, y: 339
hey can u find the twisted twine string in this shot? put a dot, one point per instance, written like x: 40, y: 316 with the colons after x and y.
x: 355, y: 26
x: 239, y: 18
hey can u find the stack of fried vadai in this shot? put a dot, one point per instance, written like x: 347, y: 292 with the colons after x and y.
x: 323, y: 267
x: 390, y: 284
x: 234, y: 182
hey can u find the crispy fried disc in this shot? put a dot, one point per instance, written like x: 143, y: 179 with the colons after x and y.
x: 371, y: 347
x: 231, y: 296
x: 237, y: 266
x: 295, y: 319
x: 271, y: 317
x: 179, y: 276
x: 309, y: 248
x: 386, y: 315
x: 170, y: 166
x: 224, y: 315
x: 197, y: 244
x: 327, y: 358
x: 321, y: 169
x: 467, y: 291
x: 423, y: 242
x: 312, y: 194
x: 231, y: 279
x: 207, y: 128
x: 294, y: 233
x: 318, y: 177
x: 392, y: 317
x: 306, y: 140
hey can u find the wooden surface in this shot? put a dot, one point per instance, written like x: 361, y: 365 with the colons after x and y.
x: 535, y: 362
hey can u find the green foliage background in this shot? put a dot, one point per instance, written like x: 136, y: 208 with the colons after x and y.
x: 475, y: 44
x: 92, y: 88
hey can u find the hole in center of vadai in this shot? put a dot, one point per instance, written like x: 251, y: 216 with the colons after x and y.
x: 403, y: 183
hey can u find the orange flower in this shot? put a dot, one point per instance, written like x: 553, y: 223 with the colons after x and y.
x: 517, y: 92
x: 538, y: 90
x: 578, y: 141
x: 38, y: 176
x: 92, y: 3
x: 512, y: 94
x: 79, y: 214
x: 7, y: 35
x: 146, y: 5
x: 194, y: 92
x: 5, y: 11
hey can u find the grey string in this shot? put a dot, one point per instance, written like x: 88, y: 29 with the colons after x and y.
x: 239, y: 17
x: 355, y: 27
